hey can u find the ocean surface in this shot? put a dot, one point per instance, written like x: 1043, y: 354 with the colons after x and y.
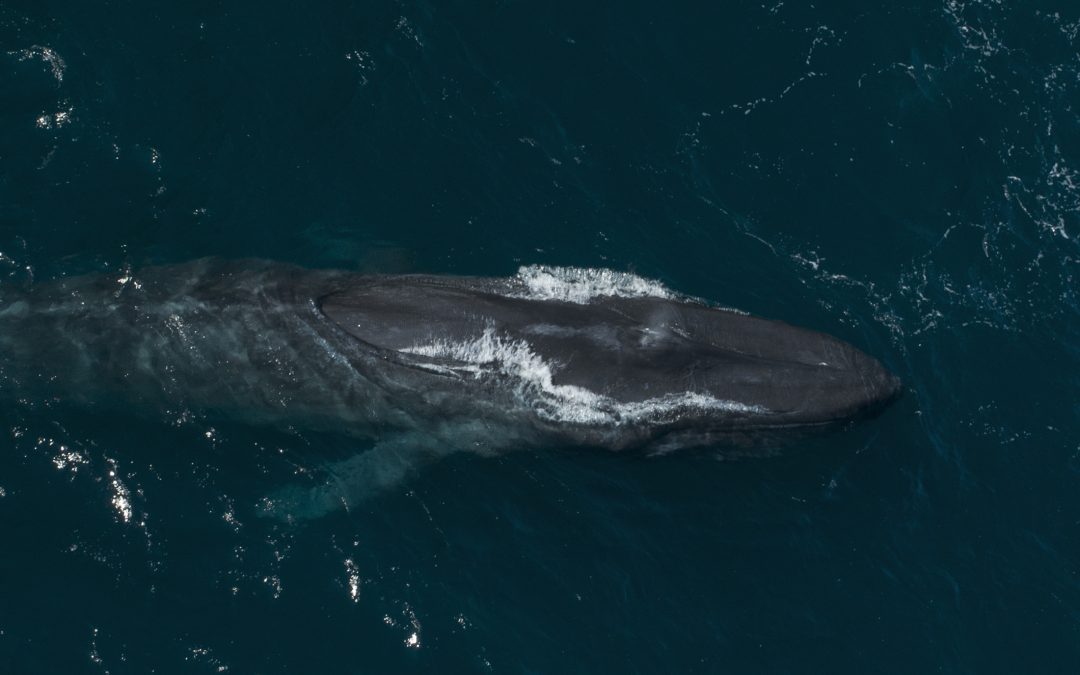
x: 905, y: 176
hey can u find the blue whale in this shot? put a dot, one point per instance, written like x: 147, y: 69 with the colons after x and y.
x: 551, y: 355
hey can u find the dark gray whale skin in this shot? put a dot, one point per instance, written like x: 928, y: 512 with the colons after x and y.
x: 274, y: 343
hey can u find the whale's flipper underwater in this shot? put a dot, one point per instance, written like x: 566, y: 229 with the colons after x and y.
x: 425, y: 365
x: 387, y: 464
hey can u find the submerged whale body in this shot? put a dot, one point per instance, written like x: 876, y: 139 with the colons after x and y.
x: 588, y: 357
x: 592, y: 356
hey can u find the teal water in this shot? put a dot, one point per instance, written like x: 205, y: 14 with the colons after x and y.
x: 907, y: 178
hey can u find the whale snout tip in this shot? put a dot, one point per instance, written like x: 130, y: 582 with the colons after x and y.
x: 885, y: 387
x: 891, y: 389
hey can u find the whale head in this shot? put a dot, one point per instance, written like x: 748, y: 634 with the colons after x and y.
x: 615, y: 371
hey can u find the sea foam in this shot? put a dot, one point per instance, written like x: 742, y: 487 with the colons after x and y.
x: 581, y: 285
x: 494, y: 355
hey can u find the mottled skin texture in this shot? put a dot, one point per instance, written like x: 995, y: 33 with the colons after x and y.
x: 275, y: 343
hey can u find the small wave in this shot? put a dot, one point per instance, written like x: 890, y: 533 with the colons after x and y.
x: 581, y: 285
x: 492, y: 354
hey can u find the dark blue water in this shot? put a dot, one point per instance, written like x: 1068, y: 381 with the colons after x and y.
x: 905, y: 177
